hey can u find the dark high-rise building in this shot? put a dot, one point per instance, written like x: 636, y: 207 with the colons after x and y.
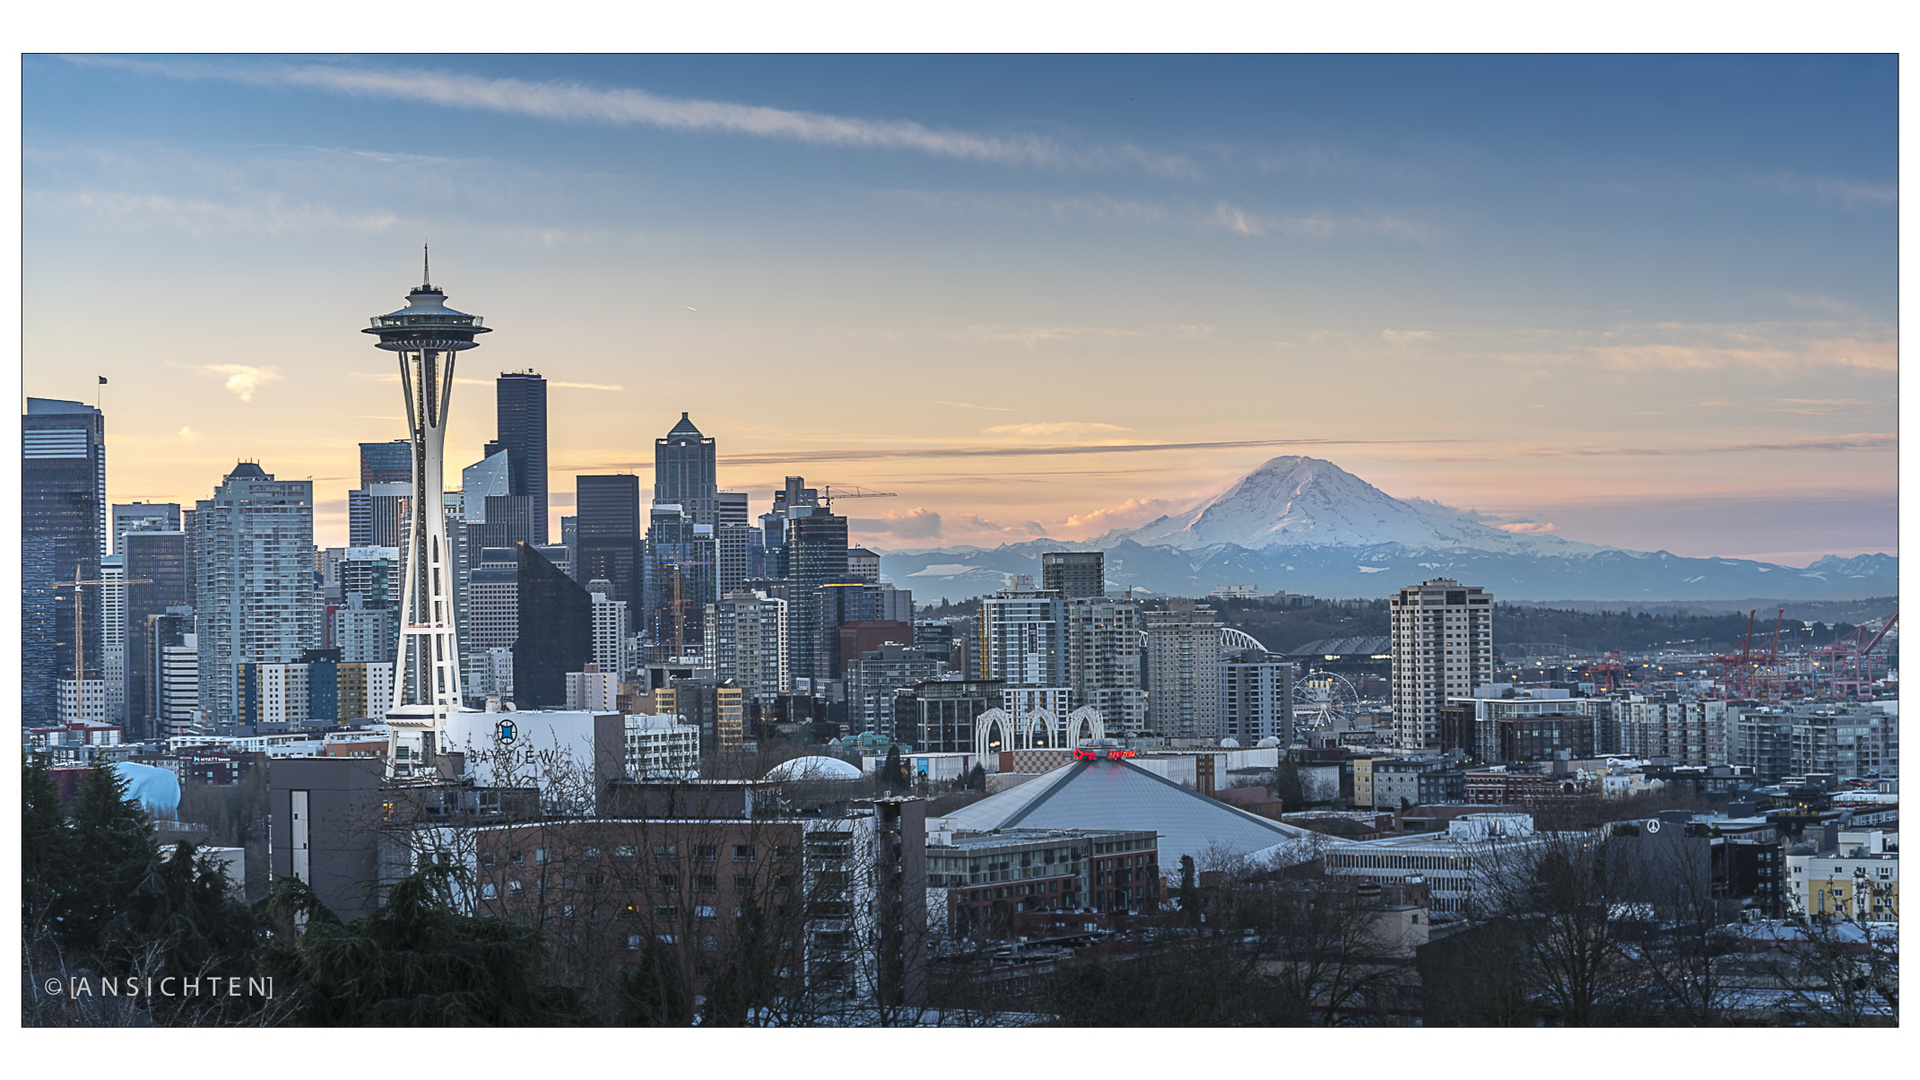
x: 1074, y: 574
x: 937, y: 717
x: 816, y: 554
x: 679, y: 579
x: 555, y: 635
x: 684, y: 472
x: 607, y: 531
x: 143, y: 516
x: 386, y: 462
x: 160, y: 558
x: 570, y: 532
x: 63, y: 535
x: 522, y: 405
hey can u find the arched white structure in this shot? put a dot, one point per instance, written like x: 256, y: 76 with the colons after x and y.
x: 1036, y: 730
x: 1232, y: 641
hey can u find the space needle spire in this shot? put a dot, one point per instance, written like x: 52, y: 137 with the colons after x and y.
x: 427, y: 335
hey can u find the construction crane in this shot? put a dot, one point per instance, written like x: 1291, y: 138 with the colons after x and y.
x: 79, y: 622
x: 851, y: 492
x: 680, y: 603
x: 1609, y: 674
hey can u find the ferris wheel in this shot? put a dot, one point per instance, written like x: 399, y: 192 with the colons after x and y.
x: 1322, y: 698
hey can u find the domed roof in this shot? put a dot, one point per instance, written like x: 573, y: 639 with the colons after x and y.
x: 1266, y: 742
x: 813, y: 768
x: 1230, y: 743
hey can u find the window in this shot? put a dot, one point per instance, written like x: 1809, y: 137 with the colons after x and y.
x: 539, y: 854
x: 705, y: 852
x: 489, y: 891
x: 661, y: 882
x: 665, y: 851
x: 743, y: 853
x: 743, y: 883
x: 591, y: 854
x: 708, y: 943
x: 633, y: 941
x: 782, y: 852
x: 486, y: 858
x: 705, y: 911
x: 624, y: 851
x: 665, y: 913
x: 704, y: 883
x: 513, y: 888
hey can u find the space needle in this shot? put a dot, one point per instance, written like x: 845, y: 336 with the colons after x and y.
x: 427, y: 335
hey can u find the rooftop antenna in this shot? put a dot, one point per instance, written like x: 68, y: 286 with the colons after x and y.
x: 426, y: 269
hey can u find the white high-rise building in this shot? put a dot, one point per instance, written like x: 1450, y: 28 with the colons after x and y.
x: 113, y: 635
x: 609, y: 628
x: 1183, y: 676
x: 1023, y: 636
x: 253, y: 548
x: 1256, y: 697
x: 746, y: 641
x: 1103, y: 660
x: 1442, y: 648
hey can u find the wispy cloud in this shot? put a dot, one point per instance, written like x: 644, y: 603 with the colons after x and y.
x: 797, y: 456
x: 573, y: 102
x: 612, y: 387
x: 187, y: 434
x: 1832, y: 189
x: 1530, y: 528
x: 1318, y: 226
x: 264, y: 214
x: 970, y: 405
x: 1135, y: 511
x: 244, y: 379
x: 1031, y: 336
x: 1041, y: 429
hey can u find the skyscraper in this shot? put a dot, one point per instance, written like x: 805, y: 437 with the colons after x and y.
x: 1442, y: 648
x: 684, y: 472
x: 143, y: 517
x: 386, y: 462
x: 732, y: 540
x: 160, y: 558
x: 1023, y: 640
x: 254, y: 550
x: 1074, y: 574
x: 1103, y: 660
x: 522, y: 405
x: 1183, y: 677
x: 63, y: 535
x: 608, y: 528
x: 816, y: 553
x: 555, y: 635
x: 679, y: 579
x: 746, y: 641
x: 609, y: 628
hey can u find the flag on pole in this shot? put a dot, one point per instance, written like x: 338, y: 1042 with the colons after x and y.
x: 103, y: 380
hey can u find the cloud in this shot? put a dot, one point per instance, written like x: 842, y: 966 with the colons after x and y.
x: 244, y: 379
x: 780, y: 457
x: 918, y: 523
x: 1402, y: 337
x: 1057, y: 427
x: 973, y: 523
x: 1031, y: 336
x: 1218, y: 216
x: 261, y: 214
x: 967, y: 405
x: 187, y: 434
x: 1135, y: 511
x: 1531, y: 528
x: 573, y: 102
x: 584, y: 386
x: 1319, y: 226
x: 1833, y: 190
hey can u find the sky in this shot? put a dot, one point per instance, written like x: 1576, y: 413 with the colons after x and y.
x: 1645, y: 302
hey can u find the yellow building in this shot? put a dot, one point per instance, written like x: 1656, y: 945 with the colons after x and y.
x: 1858, y: 881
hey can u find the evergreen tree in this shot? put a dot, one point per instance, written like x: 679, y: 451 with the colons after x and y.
x: 977, y: 779
x: 748, y: 980
x: 655, y: 991
x: 416, y: 962
x: 892, y: 775
x: 1189, y: 895
x: 45, y: 846
x: 112, y: 845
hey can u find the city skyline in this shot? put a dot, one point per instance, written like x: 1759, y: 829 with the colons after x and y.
x: 1646, y: 302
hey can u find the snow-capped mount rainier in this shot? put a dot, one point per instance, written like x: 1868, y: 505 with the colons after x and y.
x: 1308, y: 526
x: 1304, y: 501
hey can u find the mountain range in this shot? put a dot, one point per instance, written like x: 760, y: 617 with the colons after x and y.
x: 1305, y: 525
